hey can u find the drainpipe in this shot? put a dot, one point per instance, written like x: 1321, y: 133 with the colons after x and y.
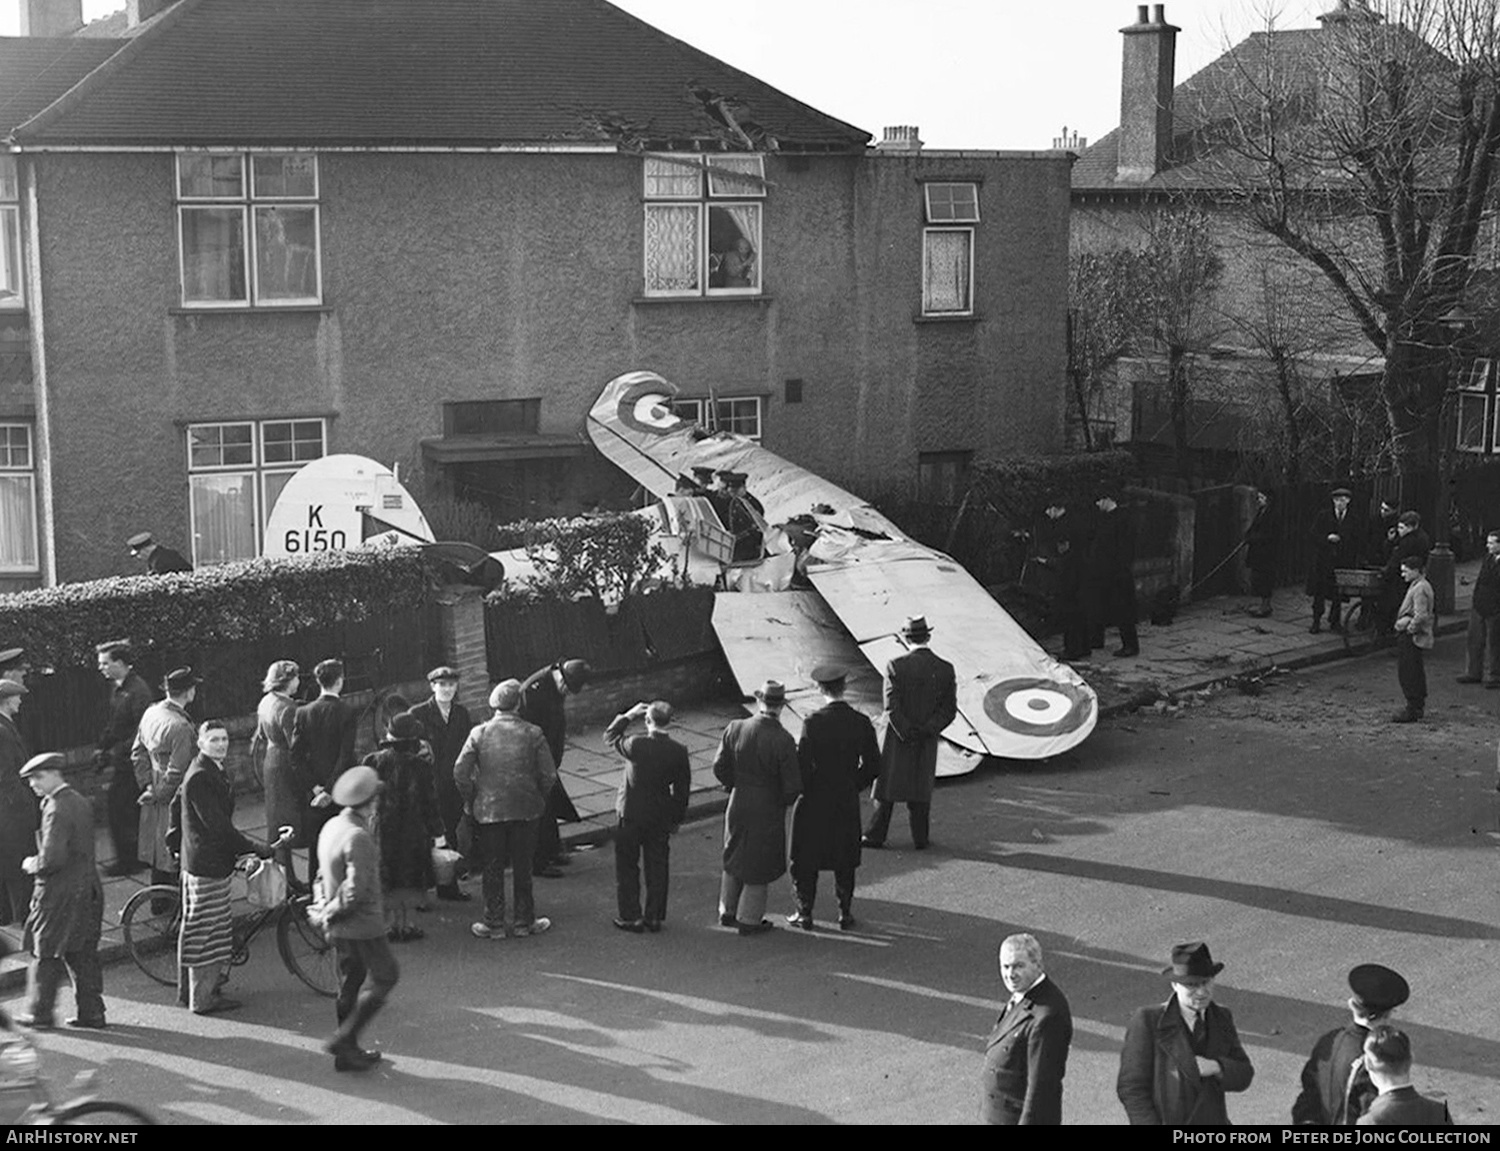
x: 46, y: 526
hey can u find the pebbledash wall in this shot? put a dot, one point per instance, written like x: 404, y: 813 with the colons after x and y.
x: 451, y: 277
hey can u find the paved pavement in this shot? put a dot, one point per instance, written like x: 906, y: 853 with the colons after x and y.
x: 1208, y: 642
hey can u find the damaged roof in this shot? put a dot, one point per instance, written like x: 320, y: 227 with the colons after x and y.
x: 36, y: 70
x: 424, y: 72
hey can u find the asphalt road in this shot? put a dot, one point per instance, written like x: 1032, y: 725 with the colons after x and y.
x: 1295, y: 830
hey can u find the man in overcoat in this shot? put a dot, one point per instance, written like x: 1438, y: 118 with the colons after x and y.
x: 1026, y: 1056
x: 757, y: 764
x: 164, y: 746
x: 1338, y: 539
x: 1336, y: 1087
x: 447, y: 724
x: 1109, y: 576
x: 838, y: 757
x: 1387, y: 1058
x: 129, y: 697
x: 921, y: 700
x: 67, y: 907
x: 651, y: 803
x: 322, y: 748
x: 1262, y: 552
x: 1483, y: 647
x: 1181, y: 1058
x: 542, y: 695
x: 1059, y: 551
x: 18, y: 813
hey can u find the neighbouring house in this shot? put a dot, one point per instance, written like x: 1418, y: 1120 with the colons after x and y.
x: 243, y: 234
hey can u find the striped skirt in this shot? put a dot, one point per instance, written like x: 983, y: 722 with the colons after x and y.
x: 207, y: 927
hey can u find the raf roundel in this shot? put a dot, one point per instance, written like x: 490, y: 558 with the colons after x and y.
x: 645, y: 408
x: 1038, y: 706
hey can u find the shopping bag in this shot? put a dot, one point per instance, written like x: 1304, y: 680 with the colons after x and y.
x: 265, y: 884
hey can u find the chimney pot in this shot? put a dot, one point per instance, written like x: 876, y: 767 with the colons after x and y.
x: 1142, y: 13
x: 1159, y: 14
x: 900, y: 138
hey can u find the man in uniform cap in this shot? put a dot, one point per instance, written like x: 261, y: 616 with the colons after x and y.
x: 542, y: 696
x: 746, y: 522
x: 447, y: 724
x: 1336, y: 1086
x: 1179, y: 1059
x: 838, y: 757
x: 921, y: 700
x: 353, y: 915
x: 67, y: 908
x: 14, y: 665
x: 159, y: 560
x: 165, y: 744
x: 18, y: 812
x: 757, y: 764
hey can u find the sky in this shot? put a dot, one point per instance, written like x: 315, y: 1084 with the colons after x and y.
x: 967, y: 73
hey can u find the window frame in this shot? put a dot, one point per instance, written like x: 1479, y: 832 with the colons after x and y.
x: 704, y: 199
x: 7, y: 469
x: 927, y: 206
x: 1485, y: 419
x: 10, y: 233
x: 258, y: 471
x: 251, y: 205
x: 927, y: 234
x: 700, y: 404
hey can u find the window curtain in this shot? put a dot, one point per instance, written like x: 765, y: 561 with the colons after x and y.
x: 945, y: 282
x: 746, y: 218
x: 17, y: 522
x: 672, y: 247
x: 10, y: 254
x: 223, y: 518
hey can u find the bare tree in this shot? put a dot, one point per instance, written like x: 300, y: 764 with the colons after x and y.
x: 1102, y: 321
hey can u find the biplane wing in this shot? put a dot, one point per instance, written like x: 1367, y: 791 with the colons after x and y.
x: 1015, y: 701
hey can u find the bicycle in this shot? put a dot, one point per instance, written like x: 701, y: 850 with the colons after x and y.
x: 21, y: 1070
x: 152, y: 921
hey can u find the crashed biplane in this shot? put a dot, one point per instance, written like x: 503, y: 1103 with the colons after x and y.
x: 866, y: 576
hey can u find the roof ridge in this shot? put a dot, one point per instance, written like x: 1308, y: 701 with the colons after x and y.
x: 131, y: 48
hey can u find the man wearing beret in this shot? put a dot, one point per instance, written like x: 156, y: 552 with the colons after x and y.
x: 159, y: 560
x: 1336, y: 1086
x: 129, y: 697
x: 1181, y: 1058
x: 447, y: 724
x: 67, y: 908
x: 542, y: 696
x: 165, y: 744
x: 18, y: 813
x: 838, y: 757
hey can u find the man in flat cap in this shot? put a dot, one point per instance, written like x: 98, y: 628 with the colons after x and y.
x: 757, y: 764
x: 1388, y: 1061
x: 838, y: 758
x: 129, y: 697
x: 18, y: 811
x: 1336, y: 1086
x: 353, y: 915
x: 542, y: 696
x: 921, y: 700
x: 67, y: 908
x: 159, y: 560
x: 504, y: 774
x: 1180, y: 1058
x: 165, y: 744
x: 447, y: 724
x: 1337, y: 537
x: 1109, y: 575
x: 651, y: 804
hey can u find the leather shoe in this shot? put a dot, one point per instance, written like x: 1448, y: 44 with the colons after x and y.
x: 219, y: 1004
x: 727, y: 920
x: 551, y: 871
x: 1127, y: 652
x: 846, y: 921
x: 88, y: 1024
x: 652, y: 925
x: 866, y: 841
x: 800, y: 919
x: 634, y: 926
x: 354, y: 1059
x: 755, y: 928
x: 35, y: 1023
x: 1407, y: 716
x: 1316, y: 628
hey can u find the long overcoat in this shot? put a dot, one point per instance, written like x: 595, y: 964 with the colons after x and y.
x: 838, y: 757
x: 1332, y: 1094
x: 447, y: 739
x: 921, y: 699
x: 407, y: 819
x: 542, y: 704
x: 67, y: 907
x: 1026, y: 1058
x: 1109, y: 574
x: 757, y: 763
x: 1159, y: 1082
x: 273, y: 739
x: 18, y: 824
x: 1327, y: 556
x: 164, y: 747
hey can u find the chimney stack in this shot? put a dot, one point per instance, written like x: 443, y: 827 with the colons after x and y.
x: 139, y: 11
x: 51, y: 17
x: 1146, y: 95
x: 1069, y: 141
x: 900, y: 138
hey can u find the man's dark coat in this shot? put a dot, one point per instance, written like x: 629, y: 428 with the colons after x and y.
x: 1403, y: 1107
x: 67, y: 907
x: 921, y: 700
x: 1329, y: 1096
x: 542, y: 704
x: 838, y: 757
x: 1159, y: 1081
x: 1025, y: 1060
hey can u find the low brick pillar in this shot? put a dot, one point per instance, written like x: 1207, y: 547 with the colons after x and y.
x: 460, y: 611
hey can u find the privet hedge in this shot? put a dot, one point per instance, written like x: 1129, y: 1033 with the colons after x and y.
x: 247, y: 600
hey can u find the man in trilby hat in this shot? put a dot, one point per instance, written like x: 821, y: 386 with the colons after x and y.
x: 1336, y: 1087
x: 757, y: 764
x: 921, y: 700
x: 165, y: 744
x: 1180, y: 1058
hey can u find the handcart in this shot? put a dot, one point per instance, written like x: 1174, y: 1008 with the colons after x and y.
x: 1367, y: 585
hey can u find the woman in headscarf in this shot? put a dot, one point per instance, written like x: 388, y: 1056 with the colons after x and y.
x: 407, y: 824
x: 272, y: 740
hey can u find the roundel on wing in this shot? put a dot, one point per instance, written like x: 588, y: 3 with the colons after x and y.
x: 646, y: 406
x: 1042, y: 707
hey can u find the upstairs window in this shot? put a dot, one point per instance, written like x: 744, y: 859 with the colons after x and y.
x: 703, y: 225
x: 248, y: 229
x: 737, y: 414
x: 948, y: 251
x: 10, y: 235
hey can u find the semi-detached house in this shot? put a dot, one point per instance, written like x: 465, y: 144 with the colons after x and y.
x: 243, y: 234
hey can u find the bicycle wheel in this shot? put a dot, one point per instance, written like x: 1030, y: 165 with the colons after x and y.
x: 307, y: 954
x: 151, y: 936
x: 102, y: 1113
